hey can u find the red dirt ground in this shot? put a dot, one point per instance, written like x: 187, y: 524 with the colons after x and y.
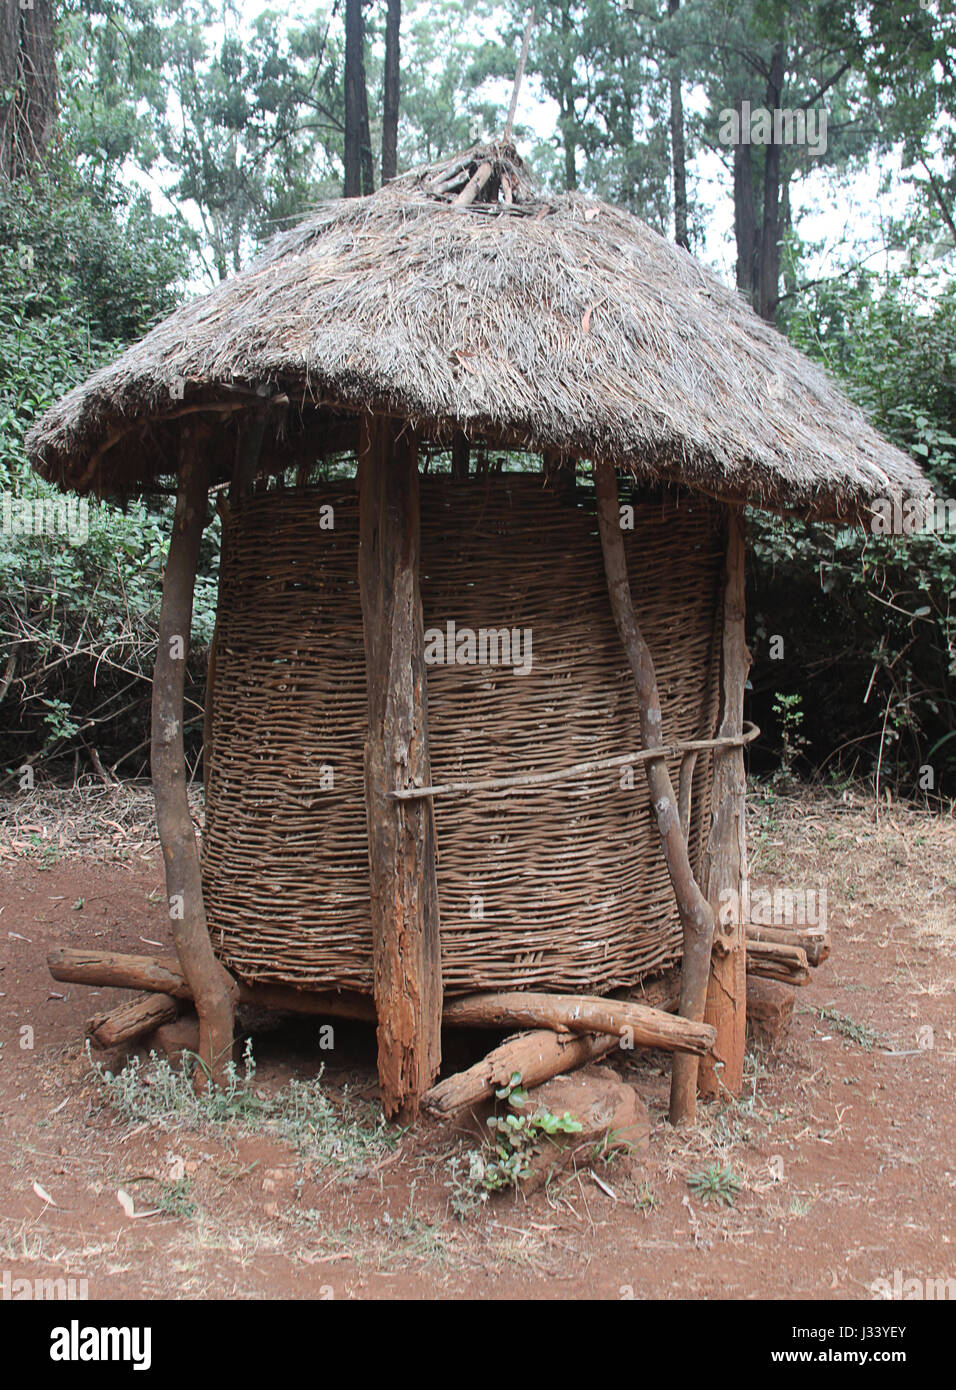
x: 843, y: 1150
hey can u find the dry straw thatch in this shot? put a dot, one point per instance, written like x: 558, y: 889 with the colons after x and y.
x: 546, y: 323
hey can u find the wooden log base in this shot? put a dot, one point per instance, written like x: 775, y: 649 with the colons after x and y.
x: 163, y: 974
x: 814, y: 941
x: 634, y: 1025
x: 774, y: 962
x: 132, y: 1020
x: 769, y: 1011
x: 640, y: 1024
x: 537, y: 1056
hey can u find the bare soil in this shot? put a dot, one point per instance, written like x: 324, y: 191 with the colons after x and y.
x: 841, y: 1146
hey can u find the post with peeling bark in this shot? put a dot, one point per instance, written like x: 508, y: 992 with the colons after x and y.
x: 401, y: 834
x: 696, y: 917
x: 725, y: 858
x: 211, y: 987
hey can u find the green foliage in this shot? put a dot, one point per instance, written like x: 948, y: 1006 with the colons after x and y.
x: 516, y: 1136
x: 233, y: 120
x: 715, y: 1184
x: 301, y: 1113
x: 869, y: 621
x: 860, y: 1033
x: 79, y: 271
x: 787, y: 708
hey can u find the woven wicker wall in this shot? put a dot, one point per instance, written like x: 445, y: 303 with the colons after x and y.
x: 561, y: 886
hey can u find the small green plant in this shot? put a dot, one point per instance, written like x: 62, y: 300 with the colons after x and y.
x: 516, y: 1136
x: 176, y: 1199
x: 788, y: 709
x: 714, y: 1184
x: 301, y: 1113
x: 46, y: 854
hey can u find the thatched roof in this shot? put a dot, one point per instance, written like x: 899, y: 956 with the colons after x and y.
x: 557, y: 324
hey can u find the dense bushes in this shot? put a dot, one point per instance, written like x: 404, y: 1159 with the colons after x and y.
x: 869, y: 624
x: 81, y: 272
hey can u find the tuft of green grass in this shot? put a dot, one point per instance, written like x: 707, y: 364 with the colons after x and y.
x: 714, y: 1184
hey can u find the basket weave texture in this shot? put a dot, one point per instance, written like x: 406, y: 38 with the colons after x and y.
x: 559, y: 886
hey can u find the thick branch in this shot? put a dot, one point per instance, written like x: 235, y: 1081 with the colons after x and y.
x: 696, y: 916
x: 211, y: 986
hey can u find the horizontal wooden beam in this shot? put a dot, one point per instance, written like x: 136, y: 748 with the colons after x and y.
x: 637, y: 1024
x: 647, y: 1012
x: 112, y: 969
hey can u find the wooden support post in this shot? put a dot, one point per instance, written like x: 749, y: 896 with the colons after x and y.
x: 210, y: 985
x: 401, y: 834
x: 460, y: 456
x: 696, y: 916
x: 725, y: 858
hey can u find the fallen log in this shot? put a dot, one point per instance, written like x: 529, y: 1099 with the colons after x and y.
x: 537, y: 1056
x: 774, y: 962
x: 636, y: 1024
x: 814, y: 941
x: 132, y: 1019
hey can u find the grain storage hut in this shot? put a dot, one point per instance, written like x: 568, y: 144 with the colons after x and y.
x: 474, y: 734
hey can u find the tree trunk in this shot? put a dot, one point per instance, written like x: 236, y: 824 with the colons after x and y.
x: 28, y: 95
x: 678, y: 156
x: 390, y: 98
x: 725, y: 859
x: 354, y: 73
x: 568, y: 120
x: 769, y: 255
x: 368, y: 162
x: 745, y: 215
x: 404, y: 888
x: 212, y: 988
x: 697, y: 919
